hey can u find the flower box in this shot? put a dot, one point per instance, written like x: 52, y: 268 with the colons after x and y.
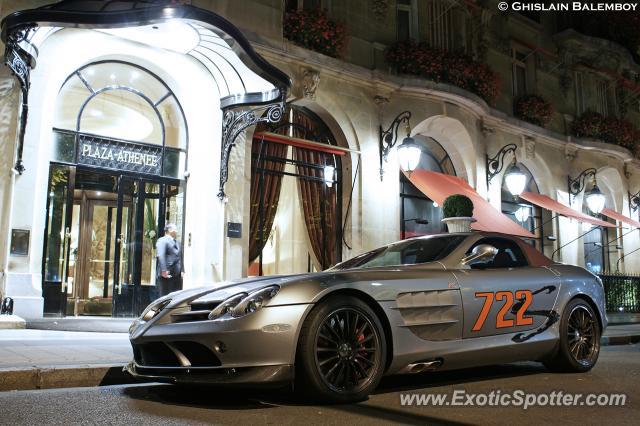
x: 312, y: 29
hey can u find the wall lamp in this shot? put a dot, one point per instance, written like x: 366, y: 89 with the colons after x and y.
x: 515, y: 179
x: 595, y: 198
x: 408, y: 151
x: 328, y: 174
x: 634, y: 201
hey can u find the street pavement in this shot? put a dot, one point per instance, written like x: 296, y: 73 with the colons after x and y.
x: 617, y: 371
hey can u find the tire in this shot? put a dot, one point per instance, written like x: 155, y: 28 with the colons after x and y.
x: 341, y: 352
x: 579, y: 344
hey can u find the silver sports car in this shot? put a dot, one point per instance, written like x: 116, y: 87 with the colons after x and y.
x: 430, y: 303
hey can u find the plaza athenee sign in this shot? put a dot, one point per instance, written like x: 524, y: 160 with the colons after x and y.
x: 120, y: 155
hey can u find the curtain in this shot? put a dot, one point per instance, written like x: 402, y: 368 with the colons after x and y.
x: 319, y: 202
x: 265, y: 192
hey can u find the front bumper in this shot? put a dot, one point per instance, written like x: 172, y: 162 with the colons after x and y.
x: 256, y: 349
x: 271, y: 375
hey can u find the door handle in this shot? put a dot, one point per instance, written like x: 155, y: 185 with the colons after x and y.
x: 65, y: 255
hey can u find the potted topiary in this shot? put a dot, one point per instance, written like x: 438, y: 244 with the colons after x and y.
x: 458, y: 212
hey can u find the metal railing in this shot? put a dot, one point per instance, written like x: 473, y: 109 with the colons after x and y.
x: 622, y: 292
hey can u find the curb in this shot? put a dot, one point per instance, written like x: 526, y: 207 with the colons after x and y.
x: 620, y: 340
x: 51, y: 377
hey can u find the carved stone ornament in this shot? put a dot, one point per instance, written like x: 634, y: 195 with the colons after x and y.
x: 570, y: 153
x: 529, y: 147
x: 310, y: 81
x: 379, y: 9
x: 486, y: 130
x: 380, y: 100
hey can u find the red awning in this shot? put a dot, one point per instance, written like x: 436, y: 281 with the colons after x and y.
x: 553, y: 205
x: 620, y: 218
x: 302, y: 143
x: 438, y: 187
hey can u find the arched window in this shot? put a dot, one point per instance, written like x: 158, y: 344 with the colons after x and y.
x: 296, y: 209
x: 419, y: 215
x: 529, y: 216
x: 600, y: 245
x: 118, y: 101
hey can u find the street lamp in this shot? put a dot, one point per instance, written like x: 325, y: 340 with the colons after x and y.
x: 409, y: 154
x: 408, y: 151
x: 515, y: 178
x: 595, y: 198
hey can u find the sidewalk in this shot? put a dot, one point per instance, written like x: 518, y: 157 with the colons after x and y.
x: 621, y: 334
x: 43, y: 359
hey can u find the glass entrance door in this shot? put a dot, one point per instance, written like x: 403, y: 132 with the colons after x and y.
x: 92, y: 253
x: 58, y: 267
x: 144, y: 207
x: 99, y: 255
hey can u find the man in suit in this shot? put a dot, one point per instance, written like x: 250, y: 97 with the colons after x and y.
x: 169, y: 261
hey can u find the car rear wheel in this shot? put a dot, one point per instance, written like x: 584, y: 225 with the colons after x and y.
x: 341, y: 351
x: 579, y: 345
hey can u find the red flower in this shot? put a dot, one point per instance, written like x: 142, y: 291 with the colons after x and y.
x: 434, y: 64
x: 313, y: 30
x: 534, y: 109
x: 609, y: 129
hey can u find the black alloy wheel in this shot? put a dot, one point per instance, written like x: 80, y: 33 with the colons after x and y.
x: 582, y: 330
x: 579, y: 344
x: 341, y: 352
x: 347, y: 350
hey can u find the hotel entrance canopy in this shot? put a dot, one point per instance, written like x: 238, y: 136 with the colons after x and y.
x: 241, y: 75
x: 438, y: 187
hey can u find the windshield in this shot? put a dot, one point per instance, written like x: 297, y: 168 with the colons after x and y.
x: 408, y: 252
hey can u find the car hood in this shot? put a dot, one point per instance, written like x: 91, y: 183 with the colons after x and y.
x: 220, y: 291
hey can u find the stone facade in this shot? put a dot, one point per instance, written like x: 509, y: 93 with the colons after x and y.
x: 345, y: 94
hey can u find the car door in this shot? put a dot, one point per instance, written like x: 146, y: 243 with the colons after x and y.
x: 506, y: 294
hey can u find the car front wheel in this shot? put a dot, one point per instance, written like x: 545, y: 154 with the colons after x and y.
x: 341, y: 351
x: 579, y: 344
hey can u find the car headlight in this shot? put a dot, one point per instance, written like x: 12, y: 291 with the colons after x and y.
x: 154, y: 309
x: 242, y: 304
x: 226, y: 306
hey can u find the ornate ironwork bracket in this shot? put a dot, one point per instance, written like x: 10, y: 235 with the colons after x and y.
x: 495, y: 164
x: 15, y: 59
x: 235, y: 122
x: 578, y: 184
x: 389, y: 137
x: 634, y: 201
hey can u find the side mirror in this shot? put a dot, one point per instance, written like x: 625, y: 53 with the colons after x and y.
x: 481, y: 253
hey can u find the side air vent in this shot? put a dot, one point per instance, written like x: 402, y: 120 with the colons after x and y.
x: 432, y: 315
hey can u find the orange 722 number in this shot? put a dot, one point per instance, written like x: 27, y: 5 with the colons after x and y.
x: 508, y: 297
